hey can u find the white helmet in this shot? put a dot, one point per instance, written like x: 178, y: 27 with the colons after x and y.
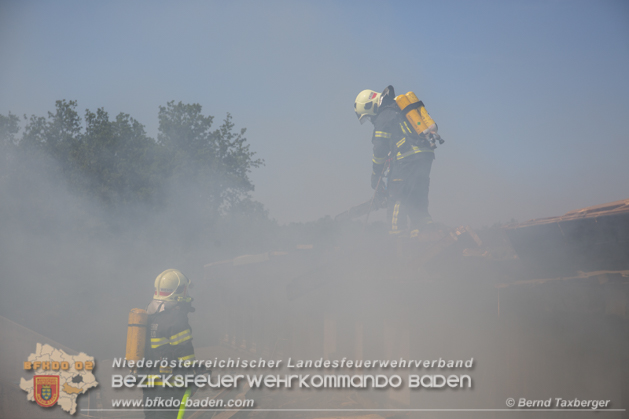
x: 366, y: 105
x: 172, y: 285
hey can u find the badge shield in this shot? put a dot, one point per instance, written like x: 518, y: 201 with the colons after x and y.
x: 46, y: 389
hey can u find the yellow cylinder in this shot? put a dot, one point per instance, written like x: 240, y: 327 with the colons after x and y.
x: 418, y: 116
x: 402, y: 101
x: 136, y: 334
x: 427, y: 121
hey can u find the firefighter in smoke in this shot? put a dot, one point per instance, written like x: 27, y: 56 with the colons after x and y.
x: 168, y: 337
x: 403, y: 153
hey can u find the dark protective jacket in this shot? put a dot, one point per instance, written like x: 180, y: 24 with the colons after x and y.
x: 394, y: 138
x: 169, y: 336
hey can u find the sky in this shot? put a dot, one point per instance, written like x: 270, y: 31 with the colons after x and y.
x: 532, y: 97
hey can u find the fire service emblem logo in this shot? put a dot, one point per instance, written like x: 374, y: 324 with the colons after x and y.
x: 46, y: 390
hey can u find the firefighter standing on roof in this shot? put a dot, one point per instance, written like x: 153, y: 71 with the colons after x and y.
x: 169, y: 336
x: 407, y: 155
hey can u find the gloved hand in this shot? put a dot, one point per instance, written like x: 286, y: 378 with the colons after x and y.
x: 374, y: 180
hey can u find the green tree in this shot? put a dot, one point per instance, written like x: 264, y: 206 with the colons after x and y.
x: 218, y: 161
x: 9, y: 128
x: 59, y: 136
x: 200, y: 173
x: 112, y: 160
x: 116, y: 161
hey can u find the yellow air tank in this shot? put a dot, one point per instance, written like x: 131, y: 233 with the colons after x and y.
x: 415, y: 112
x: 136, y: 334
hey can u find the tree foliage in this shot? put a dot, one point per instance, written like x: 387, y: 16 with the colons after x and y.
x: 218, y: 161
x: 115, y: 161
x: 9, y: 128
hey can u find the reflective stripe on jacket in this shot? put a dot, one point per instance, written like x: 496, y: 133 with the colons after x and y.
x: 169, y: 336
x: 394, y: 137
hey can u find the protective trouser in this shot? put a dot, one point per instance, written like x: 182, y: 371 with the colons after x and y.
x: 161, y: 400
x: 408, y: 185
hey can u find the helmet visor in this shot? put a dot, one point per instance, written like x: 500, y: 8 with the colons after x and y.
x: 363, y: 118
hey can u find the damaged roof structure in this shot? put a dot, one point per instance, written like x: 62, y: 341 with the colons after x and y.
x: 539, y: 307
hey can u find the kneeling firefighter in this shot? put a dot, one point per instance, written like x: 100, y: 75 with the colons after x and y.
x: 404, y: 140
x: 168, y: 338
